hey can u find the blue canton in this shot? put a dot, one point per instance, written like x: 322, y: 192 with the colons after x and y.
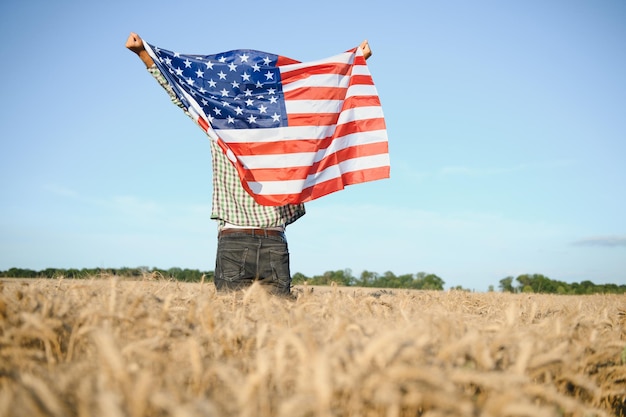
x: 239, y: 89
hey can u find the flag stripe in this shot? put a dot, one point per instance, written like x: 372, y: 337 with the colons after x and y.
x: 303, y: 145
x: 316, y: 93
x: 341, y: 65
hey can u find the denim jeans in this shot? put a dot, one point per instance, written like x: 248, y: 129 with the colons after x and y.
x: 243, y: 259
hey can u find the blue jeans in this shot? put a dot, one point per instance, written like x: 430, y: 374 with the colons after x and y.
x: 243, y: 259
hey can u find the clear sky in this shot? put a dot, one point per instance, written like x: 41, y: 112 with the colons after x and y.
x: 506, y: 124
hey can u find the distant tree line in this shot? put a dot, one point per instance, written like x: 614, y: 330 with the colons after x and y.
x: 537, y: 283
x: 419, y: 281
x: 179, y: 274
x: 526, y: 283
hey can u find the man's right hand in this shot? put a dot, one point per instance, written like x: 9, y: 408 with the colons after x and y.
x: 135, y: 44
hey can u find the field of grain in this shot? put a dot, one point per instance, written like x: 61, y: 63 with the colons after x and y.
x: 109, y: 347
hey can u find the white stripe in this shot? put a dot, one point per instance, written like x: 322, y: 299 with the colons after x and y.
x: 360, y: 113
x: 361, y: 90
x: 318, y: 80
x: 332, y: 172
x: 360, y: 70
x: 313, y: 106
x: 277, y: 134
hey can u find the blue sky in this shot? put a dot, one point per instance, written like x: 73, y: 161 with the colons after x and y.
x: 506, y: 122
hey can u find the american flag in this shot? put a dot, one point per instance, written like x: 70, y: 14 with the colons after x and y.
x: 294, y: 131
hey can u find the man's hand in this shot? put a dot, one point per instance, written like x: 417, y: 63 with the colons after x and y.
x: 135, y: 44
x: 365, y: 46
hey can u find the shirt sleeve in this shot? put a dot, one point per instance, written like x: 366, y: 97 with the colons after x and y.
x: 156, y: 73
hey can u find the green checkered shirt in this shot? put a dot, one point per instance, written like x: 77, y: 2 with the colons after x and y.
x: 231, y: 202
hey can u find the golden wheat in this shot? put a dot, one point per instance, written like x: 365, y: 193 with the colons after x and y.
x: 113, y: 347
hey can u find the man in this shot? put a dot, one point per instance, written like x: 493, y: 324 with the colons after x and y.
x: 251, y: 237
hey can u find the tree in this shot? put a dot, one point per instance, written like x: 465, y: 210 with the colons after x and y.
x: 298, y: 278
x: 367, y: 278
x: 428, y: 282
x: 506, y: 284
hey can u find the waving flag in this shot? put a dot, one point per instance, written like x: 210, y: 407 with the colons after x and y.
x: 294, y: 131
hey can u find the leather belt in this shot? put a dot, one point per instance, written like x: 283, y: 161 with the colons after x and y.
x: 251, y: 232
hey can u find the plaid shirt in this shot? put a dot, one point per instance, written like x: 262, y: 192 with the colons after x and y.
x: 231, y: 202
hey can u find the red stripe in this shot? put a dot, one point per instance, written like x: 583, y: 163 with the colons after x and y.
x: 312, y: 119
x: 279, y: 148
x: 361, y: 80
x: 357, y: 126
x: 316, y: 93
x: 300, y: 173
x: 302, y: 73
x: 283, y: 60
x: 359, y: 60
x: 203, y: 124
x: 360, y: 101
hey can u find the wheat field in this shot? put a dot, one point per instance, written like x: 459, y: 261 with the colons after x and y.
x: 110, y: 347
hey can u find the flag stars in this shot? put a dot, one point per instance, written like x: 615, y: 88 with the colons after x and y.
x: 231, y: 89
